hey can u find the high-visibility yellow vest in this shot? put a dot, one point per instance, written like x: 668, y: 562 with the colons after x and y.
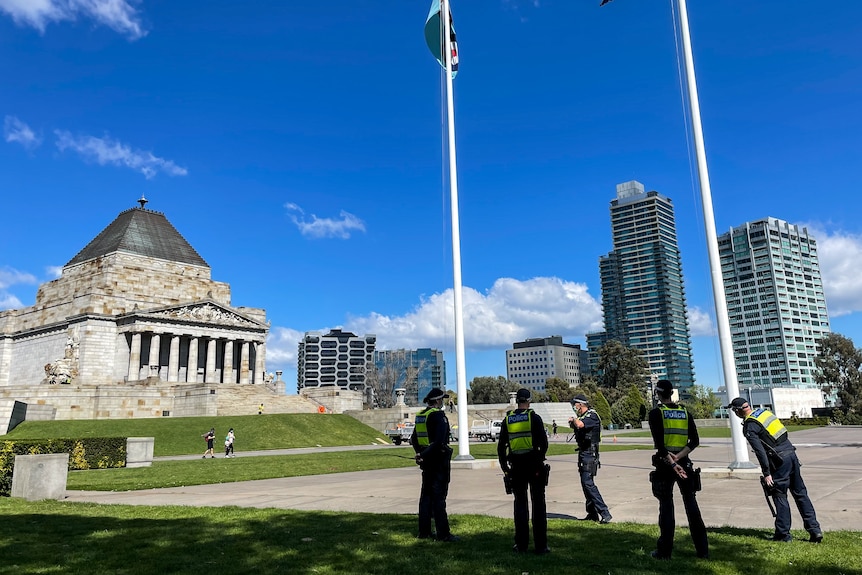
x: 770, y: 423
x: 520, y: 428
x: 421, y: 428
x: 675, y: 422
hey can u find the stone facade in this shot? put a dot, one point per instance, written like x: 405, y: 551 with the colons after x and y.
x: 134, y: 327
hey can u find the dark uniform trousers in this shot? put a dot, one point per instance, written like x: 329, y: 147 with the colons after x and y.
x: 788, y: 477
x: 663, y: 479
x: 432, y: 498
x: 587, y: 465
x: 529, y: 474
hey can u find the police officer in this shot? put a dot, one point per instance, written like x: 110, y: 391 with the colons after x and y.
x: 780, y: 467
x: 430, y: 441
x: 588, y: 433
x: 675, y: 435
x: 521, y: 451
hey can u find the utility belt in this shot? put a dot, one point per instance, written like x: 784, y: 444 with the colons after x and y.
x: 664, y: 472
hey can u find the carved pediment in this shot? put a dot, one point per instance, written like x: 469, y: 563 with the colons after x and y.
x: 205, y: 313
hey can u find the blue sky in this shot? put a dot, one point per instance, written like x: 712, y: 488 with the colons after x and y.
x: 298, y: 147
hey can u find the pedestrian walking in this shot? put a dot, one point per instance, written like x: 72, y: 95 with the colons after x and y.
x: 588, y: 434
x: 260, y: 409
x: 209, y: 437
x: 430, y: 441
x: 780, y: 468
x: 228, y: 443
x: 521, y: 450
x: 675, y: 436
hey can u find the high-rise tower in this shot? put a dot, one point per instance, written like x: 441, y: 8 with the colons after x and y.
x: 643, y: 298
x: 775, y: 302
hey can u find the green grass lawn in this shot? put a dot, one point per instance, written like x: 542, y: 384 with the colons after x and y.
x: 221, y: 470
x: 182, y: 435
x: 53, y: 537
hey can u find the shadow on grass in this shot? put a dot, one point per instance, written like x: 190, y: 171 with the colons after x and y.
x: 58, y: 537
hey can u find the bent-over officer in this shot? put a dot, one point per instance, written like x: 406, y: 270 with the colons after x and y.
x: 674, y: 434
x: 521, y: 451
x: 588, y: 434
x: 780, y: 467
x: 430, y: 441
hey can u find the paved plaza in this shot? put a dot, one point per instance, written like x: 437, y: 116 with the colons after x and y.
x: 831, y: 465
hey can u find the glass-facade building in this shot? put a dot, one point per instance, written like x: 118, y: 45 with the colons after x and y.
x: 643, y: 298
x: 424, y: 366
x: 775, y: 302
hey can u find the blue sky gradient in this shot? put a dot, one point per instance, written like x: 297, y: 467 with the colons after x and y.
x: 298, y: 146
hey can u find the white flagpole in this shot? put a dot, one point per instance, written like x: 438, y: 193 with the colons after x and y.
x: 724, y: 337
x: 463, y: 429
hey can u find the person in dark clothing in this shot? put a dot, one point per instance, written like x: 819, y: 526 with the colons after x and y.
x: 209, y: 437
x: 430, y: 441
x: 521, y: 451
x: 780, y: 467
x: 588, y: 433
x: 675, y: 436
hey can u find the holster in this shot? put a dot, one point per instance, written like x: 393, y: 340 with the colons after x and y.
x: 694, y: 477
x: 546, y: 469
x: 507, y: 483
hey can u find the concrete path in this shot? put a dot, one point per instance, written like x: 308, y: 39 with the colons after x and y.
x: 831, y: 459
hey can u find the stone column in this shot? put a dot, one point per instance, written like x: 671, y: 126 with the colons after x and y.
x: 155, y: 345
x: 192, y: 369
x: 209, y: 376
x: 259, y: 362
x: 227, y: 375
x: 135, y: 358
x: 243, y: 362
x: 174, y: 359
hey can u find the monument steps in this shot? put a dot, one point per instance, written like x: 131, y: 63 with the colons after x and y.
x: 245, y: 399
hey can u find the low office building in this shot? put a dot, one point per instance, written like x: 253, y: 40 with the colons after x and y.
x: 532, y: 362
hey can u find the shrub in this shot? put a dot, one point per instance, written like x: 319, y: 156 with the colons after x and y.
x: 88, y: 453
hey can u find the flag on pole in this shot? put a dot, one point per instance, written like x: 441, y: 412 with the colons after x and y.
x: 604, y: 2
x: 434, y: 37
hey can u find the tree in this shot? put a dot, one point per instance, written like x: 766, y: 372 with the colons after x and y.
x: 838, y: 363
x: 630, y: 408
x: 558, y: 389
x: 602, y: 407
x: 619, y: 368
x: 396, y: 369
x: 487, y: 389
x: 702, y: 402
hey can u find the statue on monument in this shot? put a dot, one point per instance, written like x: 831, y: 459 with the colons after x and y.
x: 66, y: 369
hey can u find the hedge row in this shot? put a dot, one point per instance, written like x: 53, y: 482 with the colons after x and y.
x: 89, y: 453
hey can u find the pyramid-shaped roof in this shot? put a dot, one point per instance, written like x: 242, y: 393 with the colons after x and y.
x: 143, y: 232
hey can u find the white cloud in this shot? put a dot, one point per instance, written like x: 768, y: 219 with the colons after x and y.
x: 14, y: 130
x: 106, y: 151
x: 700, y: 322
x: 119, y: 15
x: 8, y: 278
x: 324, y: 227
x: 512, y: 310
x: 281, y: 346
x: 54, y: 271
x: 839, y: 254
